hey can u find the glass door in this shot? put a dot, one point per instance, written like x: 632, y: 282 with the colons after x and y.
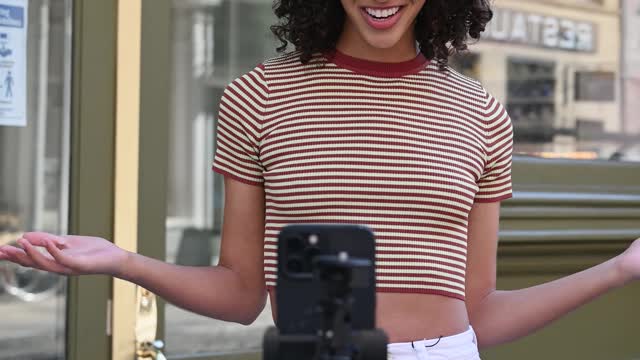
x: 34, y: 168
x: 56, y: 165
x: 214, y: 42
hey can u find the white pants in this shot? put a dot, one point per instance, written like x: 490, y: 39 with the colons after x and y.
x: 461, y: 346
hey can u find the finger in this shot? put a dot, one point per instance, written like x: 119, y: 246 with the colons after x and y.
x: 3, y: 256
x: 62, y: 258
x: 39, y: 238
x: 21, y: 242
x: 40, y: 260
x: 18, y: 256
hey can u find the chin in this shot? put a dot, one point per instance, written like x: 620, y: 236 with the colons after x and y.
x: 382, y: 42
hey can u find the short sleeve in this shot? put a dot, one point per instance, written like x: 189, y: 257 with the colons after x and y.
x: 495, y: 182
x: 238, y: 129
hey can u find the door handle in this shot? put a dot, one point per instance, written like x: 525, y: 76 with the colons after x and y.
x: 151, y: 350
x: 147, y: 346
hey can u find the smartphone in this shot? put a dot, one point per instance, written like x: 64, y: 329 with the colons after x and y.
x: 299, y: 289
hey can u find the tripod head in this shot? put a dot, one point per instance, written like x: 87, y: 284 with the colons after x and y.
x: 326, y: 296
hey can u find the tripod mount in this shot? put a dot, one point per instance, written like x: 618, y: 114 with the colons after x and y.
x: 335, y: 338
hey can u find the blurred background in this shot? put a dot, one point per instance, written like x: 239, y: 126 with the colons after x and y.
x: 568, y: 72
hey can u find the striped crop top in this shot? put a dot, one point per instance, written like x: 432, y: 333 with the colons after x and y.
x: 403, y: 148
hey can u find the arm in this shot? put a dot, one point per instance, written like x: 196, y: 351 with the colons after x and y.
x: 233, y: 290
x: 502, y: 316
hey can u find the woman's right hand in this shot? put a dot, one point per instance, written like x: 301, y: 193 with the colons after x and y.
x: 67, y: 255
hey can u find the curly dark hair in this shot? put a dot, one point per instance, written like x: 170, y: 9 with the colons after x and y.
x: 443, y: 27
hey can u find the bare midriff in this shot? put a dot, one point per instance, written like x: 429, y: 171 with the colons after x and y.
x: 407, y: 317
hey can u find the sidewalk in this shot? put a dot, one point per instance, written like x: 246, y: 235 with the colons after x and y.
x: 35, y: 331
x: 31, y: 331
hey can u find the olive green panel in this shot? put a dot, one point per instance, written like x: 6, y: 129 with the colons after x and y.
x: 155, y: 75
x: 607, y: 328
x: 576, y: 176
x: 565, y: 217
x: 92, y: 164
x: 561, y: 202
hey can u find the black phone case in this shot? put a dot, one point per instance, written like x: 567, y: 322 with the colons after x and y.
x: 298, y: 292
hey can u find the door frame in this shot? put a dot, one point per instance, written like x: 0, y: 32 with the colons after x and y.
x: 91, y: 169
x: 155, y: 95
x: 90, y: 311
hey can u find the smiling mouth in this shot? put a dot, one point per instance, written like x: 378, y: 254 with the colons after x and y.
x: 382, y: 14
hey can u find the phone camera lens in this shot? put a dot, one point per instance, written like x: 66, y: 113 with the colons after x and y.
x: 295, y: 244
x: 295, y: 264
x: 311, y: 252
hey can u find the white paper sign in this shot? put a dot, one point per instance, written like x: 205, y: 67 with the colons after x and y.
x: 13, y: 62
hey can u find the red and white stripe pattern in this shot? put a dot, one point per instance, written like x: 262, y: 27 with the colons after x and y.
x: 339, y: 140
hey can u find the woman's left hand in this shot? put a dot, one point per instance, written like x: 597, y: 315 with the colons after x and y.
x: 628, y: 263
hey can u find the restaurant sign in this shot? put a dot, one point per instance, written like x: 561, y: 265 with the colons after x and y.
x: 519, y: 27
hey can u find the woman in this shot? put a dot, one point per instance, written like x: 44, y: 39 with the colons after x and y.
x: 354, y: 127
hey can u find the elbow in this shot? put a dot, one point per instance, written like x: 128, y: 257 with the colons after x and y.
x: 476, y: 306
x: 242, y: 310
x: 246, y: 321
x: 252, y: 310
x: 482, y: 318
x: 247, y: 318
x: 480, y: 341
x: 485, y: 342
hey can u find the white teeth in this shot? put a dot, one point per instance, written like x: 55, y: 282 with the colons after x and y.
x: 378, y: 13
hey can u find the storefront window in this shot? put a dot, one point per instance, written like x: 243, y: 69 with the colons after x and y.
x: 214, y: 42
x: 531, y: 99
x: 595, y: 86
x: 34, y: 168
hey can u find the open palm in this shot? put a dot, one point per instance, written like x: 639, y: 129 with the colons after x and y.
x: 68, y: 255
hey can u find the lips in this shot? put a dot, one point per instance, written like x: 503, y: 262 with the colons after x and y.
x: 381, y: 18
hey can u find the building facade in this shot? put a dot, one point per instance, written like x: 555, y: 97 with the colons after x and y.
x: 557, y: 66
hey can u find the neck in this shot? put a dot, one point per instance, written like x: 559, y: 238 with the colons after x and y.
x: 352, y: 44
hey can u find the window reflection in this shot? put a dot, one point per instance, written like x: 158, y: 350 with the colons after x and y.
x: 566, y: 74
x: 214, y: 42
x: 34, y: 187
x: 595, y: 86
x: 531, y: 100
